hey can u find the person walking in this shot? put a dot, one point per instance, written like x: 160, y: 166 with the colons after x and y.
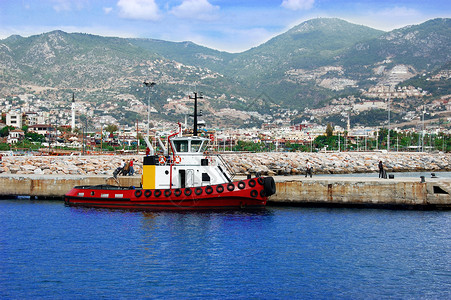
x: 308, y: 170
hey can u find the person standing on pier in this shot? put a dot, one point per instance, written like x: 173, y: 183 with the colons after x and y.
x: 381, y: 169
x: 131, y: 171
x: 308, y: 170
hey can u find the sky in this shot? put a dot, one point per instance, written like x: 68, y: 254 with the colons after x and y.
x: 226, y: 25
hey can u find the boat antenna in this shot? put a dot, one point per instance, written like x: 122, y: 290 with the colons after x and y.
x: 195, y: 111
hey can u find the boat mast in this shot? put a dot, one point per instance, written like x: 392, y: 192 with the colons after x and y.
x: 195, y: 111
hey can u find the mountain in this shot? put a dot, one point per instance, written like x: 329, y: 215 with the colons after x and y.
x: 308, y: 46
x: 310, y: 65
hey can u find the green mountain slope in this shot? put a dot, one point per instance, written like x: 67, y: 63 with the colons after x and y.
x: 307, y: 66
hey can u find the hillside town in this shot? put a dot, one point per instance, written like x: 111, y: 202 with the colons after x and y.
x: 68, y: 123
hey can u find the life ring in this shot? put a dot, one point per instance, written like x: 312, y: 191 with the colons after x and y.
x: 162, y: 160
x: 177, y: 159
x: 220, y: 189
x: 252, y: 183
x: 209, y: 189
x: 230, y: 186
x: 147, y: 193
x: 198, y: 191
x: 254, y: 193
x: 167, y: 193
x: 157, y: 193
x: 177, y: 192
x: 241, y: 185
x: 260, y: 180
x: 188, y: 192
x: 138, y: 193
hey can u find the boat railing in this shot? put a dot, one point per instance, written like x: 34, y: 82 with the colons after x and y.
x: 227, y: 166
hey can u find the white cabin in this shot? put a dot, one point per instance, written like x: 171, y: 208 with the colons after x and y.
x: 189, y: 165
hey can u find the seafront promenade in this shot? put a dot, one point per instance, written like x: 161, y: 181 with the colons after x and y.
x: 52, y: 177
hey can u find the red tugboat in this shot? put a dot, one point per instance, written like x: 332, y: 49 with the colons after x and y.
x: 186, y: 179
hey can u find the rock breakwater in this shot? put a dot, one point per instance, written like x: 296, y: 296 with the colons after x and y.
x: 337, y: 163
x: 274, y: 163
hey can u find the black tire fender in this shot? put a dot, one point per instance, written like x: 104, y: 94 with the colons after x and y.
x: 252, y: 183
x: 198, y: 191
x: 208, y: 189
x: 269, y: 186
x: 241, y: 185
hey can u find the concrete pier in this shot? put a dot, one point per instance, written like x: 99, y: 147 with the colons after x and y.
x: 363, y: 191
x: 291, y: 190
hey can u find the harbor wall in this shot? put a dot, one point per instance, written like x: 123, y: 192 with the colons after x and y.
x: 363, y: 191
x: 291, y: 190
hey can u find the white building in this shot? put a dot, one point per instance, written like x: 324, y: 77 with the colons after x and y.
x: 15, y: 136
x: 14, y: 118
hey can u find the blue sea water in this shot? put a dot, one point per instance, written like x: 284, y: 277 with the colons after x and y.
x: 50, y: 251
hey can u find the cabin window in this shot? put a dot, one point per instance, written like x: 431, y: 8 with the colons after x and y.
x: 195, y: 146
x: 181, y: 146
x: 204, y: 146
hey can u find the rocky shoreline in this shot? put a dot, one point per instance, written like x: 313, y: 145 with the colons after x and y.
x: 273, y: 163
x: 338, y: 162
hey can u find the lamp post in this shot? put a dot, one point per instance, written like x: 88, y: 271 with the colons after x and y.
x: 388, y: 136
x: 149, y: 85
x: 422, y: 132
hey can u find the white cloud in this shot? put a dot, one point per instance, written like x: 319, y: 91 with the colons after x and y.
x: 61, y: 5
x: 68, y: 5
x: 139, y: 9
x: 399, y: 12
x: 196, y: 9
x: 298, y: 4
x: 107, y: 10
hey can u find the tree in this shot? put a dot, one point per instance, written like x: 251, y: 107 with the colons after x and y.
x: 329, y: 130
x: 5, y: 130
x: 35, y: 137
x: 111, y: 128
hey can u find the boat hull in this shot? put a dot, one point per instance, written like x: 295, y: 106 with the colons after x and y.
x: 250, y: 193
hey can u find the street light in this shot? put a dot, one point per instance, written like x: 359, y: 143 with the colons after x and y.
x: 149, y: 85
x: 423, y: 131
x: 388, y: 137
